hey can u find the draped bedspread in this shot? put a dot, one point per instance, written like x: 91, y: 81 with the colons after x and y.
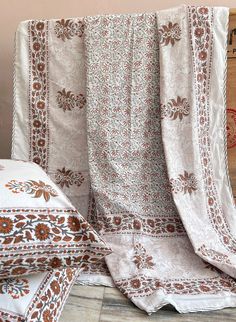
x: 135, y: 105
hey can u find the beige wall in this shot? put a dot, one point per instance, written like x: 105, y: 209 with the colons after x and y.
x: 14, y: 11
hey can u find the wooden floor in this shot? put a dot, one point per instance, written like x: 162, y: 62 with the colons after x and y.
x: 104, y: 304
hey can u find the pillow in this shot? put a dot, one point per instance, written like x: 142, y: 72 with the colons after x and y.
x: 40, y: 230
x: 37, y: 297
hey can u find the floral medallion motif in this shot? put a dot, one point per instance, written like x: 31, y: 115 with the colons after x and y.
x: 169, y: 34
x: 16, y: 288
x: 38, y: 189
x: 141, y: 258
x: 55, y: 287
x: 6, y: 225
x: 185, y: 183
x: 67, y: 29
x: 175, y: 108
x: 42, y: 231
x: 68, y: 178
x: 68, y: 101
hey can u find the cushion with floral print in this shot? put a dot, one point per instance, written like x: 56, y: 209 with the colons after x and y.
x: 39, y: 228
x: 36, y: 298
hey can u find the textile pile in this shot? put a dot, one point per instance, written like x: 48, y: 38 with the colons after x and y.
x: 126, y: 114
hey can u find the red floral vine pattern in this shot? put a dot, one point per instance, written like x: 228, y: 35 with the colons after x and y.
x: 72, y: 242
x: 169, y: 34
x: 51, y: 296
x: 141, y: 258
x: 175, y: 108
x: 142, y: 285
x: 185, y: 183
x: 68, y: 178
x: 37, y: 189
x: 130, y: 223
x: 67, y: 29
x: 16, y: 288
x: 212, y: 254
x: 68, y: 101
x: 200, y: 22
x: 38, y: 92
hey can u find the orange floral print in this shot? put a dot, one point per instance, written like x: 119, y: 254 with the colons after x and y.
x: 56, y: 262
x: 42, y: 231
x: 55, y: 287
x: 35, y: 188
x: 47, y: 316
x: 6, y: 225
x: 19, y: 271
x: 16, y: 288
x: 74, y: 223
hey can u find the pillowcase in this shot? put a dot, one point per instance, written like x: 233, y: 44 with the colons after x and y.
x: 37, y: 297
x: 40, y: 230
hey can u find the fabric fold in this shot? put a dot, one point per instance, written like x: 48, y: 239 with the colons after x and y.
x: 193, y: 131
x: 142, y: 109
x: 49, y: 126
x: 149, y: 144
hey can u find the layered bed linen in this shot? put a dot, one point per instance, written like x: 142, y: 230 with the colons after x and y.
x: 49, y: 126
x: 153, y: 131
x: 34, y: 298
x: 40, y: 230
x: 155, y: 118
x: 49, y: 119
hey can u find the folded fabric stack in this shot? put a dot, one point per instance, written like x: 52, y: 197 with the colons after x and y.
x: 45, y: 244
x: 126, y: 113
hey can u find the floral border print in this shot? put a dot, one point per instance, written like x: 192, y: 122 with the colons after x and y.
x: 214, y: 255
x: 37, y: 189
x: 38, y: 92
x: 144, y: 285
x: 169, y: 34
x: 69, y: 28
x: 129, y: 223
x: 184, y: 183
x: 175, y: 108
x: 68, y: 101
x: 72, y: 241
x: 202, y: 46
